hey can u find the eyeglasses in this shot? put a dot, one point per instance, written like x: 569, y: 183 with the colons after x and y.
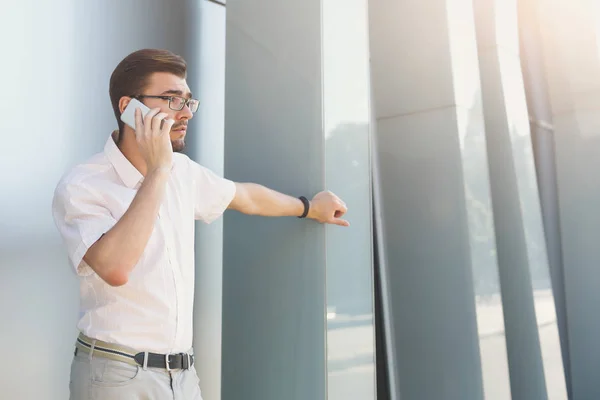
x: 176, y: 103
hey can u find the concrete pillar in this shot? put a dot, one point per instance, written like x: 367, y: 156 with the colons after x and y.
x: 206, y: 78
x: 437, y: 214
x: 274, y: 290
x: 522, y: 257
x: 297, y: 296
x: 571, y: 55
x: 544, y: 149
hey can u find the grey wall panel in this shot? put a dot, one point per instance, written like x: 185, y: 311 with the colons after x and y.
x: 542, y: 135
x: 530, y: 319
x: 274, y: 289
x: 58, y: 114
x: 429, y: 259
x: 439, y: 237
x: 346, y: 106
x: 206, y: 140
x: 572, y: 72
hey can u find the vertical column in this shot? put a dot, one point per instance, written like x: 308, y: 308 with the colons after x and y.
x: 436, y: 206
x: 527, y: 297
x: 206, y: 77
x: 572, y: 59
x: 274, y: 290
x: 346, y: 105
x: 544, y: 149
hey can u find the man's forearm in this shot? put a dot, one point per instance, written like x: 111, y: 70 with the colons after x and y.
x: 114, y: 256
x: 254, y: 199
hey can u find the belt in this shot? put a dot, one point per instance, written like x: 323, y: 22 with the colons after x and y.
x: 130, y: 356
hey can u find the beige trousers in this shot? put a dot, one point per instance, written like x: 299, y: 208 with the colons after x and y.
x: 98, y: 378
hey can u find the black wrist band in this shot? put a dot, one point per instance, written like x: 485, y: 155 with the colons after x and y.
x: 306, y: 206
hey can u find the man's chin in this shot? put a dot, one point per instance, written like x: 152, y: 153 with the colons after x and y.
x: 178, y: 145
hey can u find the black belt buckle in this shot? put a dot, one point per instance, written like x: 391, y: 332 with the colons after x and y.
x: 167, y: 362
x: 186, y: 361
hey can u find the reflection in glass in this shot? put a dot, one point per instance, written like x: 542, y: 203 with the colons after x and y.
x: 488, y: 301
x: 350, y: 325
x: 538, y: 260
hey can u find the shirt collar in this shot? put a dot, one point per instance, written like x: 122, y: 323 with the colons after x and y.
x: 126, y: 171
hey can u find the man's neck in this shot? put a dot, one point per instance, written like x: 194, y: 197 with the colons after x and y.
x: 129, y: 147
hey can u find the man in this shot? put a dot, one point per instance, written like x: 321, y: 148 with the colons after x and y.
x: 127, y: 220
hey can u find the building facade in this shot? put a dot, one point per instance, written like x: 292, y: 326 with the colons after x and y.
x: 462, y: 135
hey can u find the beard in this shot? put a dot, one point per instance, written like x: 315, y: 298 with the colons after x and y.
x: 178, y: 144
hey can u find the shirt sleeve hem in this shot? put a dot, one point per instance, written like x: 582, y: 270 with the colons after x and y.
x: 81, y: 267
x: 226, y: 199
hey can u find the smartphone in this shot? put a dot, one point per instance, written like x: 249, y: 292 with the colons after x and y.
x: 128, y: 115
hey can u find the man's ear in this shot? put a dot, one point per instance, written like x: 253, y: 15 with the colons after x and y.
x: 123, y: 102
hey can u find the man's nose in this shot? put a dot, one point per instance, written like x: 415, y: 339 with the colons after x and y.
x: 186, y: 113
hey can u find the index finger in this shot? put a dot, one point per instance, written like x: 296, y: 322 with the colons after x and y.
x: 340, y: 222
x: 167, y: 125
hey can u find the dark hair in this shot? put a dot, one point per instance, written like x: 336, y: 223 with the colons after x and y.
x: 131, y: 75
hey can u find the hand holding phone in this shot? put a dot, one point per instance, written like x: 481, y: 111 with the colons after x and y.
x: 153, y: 133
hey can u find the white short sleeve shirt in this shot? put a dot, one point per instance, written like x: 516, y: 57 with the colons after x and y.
x: 153, y: 311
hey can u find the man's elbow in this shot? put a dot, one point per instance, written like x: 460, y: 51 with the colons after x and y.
x: 112, y: 270
x: 112, y: 274
x: 116, y: 278
x: 251, y: 208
